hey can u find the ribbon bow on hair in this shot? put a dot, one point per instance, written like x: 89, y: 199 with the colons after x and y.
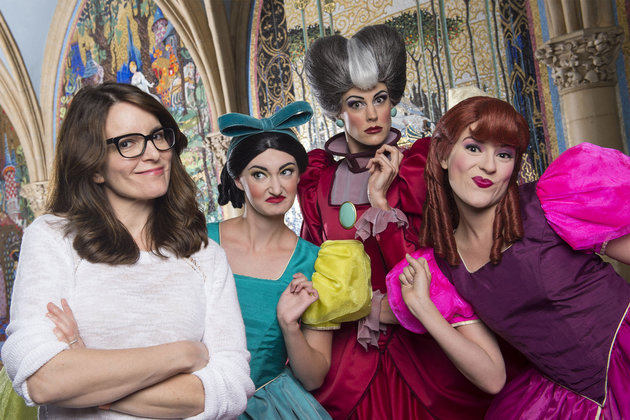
x: 241, y: 126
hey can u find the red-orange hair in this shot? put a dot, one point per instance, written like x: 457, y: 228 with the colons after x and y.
x: 498, y: 122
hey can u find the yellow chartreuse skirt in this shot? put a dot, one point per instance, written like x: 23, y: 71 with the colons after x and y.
x: 12, y: 406
x: 342, y: 279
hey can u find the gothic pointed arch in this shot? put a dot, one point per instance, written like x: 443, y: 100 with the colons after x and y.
x: 52, y: 55
x: 189, y: 20
x: 20, y: 104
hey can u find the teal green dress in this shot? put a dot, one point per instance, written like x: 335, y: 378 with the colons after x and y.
x: 278, y: 394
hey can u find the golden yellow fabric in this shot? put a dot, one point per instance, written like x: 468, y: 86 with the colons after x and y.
x: 342, y: 279
x: 12, y: 406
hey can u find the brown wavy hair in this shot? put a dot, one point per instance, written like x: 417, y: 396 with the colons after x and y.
x: 176, y: 224
x: 498, y: 122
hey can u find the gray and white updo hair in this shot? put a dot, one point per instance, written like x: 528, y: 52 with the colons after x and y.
x: 334, y: 65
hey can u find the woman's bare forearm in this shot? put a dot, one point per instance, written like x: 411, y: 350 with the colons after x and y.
x: 471, y: 348
x: 176, y: 397
x: 309, y: 354
x: 86, y: 377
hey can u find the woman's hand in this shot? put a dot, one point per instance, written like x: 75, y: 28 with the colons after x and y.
x: 383, y: 169
x: 295, y: 299
x: 66, y: 328
x: 415, y: 281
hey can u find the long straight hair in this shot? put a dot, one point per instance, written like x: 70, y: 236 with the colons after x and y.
x: 176, y: 224
x: 498, y: 122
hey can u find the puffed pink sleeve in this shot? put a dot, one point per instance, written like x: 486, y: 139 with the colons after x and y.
x: 451, y: 305
x: 318, y: 160
x: 406, y: 197
x: 585, y: 194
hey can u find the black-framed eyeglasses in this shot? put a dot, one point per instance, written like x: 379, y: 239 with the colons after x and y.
x: 134, y: 144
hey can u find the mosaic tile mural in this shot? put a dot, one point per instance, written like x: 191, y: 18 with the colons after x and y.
x: 15, y: 213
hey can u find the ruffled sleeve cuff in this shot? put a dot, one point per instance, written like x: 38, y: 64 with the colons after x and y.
x: 375, y: 221
x: 370, y: 327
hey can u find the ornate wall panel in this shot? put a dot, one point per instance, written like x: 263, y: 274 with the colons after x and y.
x: 523, y: 83
x: 270, y: 65
x: 15, y: 212
x: 21, y: 135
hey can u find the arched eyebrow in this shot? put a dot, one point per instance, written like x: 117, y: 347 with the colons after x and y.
x: 355, y: 97
x: 262, y: 168
x: 380, y: 92
x: 473, y: 138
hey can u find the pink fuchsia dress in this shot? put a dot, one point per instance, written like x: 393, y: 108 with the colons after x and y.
x: 565, y: 310
x: 401, y: 375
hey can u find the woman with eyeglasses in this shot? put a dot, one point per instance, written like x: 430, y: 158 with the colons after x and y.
x: 122, y: 308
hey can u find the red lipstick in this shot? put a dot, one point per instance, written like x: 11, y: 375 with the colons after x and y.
x: 374, y: 130
x: 275, y: 200
x: 482, y: 182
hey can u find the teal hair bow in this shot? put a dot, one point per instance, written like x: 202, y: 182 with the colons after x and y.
x: 241, y: 126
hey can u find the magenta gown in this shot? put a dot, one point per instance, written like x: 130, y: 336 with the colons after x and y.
x: 407, y: 376
x: 566, y: 310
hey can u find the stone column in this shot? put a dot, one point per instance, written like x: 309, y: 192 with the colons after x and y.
x: 582, y: 55
x: 36, y: 194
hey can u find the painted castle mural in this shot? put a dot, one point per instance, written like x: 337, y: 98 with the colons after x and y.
x: 15, y: 214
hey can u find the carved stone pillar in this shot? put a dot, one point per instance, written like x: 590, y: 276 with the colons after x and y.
x: 36, y: 194
x: 218, y: 144
x: 583, y: 67
x: 582, y: 50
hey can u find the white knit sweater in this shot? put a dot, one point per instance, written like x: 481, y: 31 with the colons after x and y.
x: 151, y: 302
